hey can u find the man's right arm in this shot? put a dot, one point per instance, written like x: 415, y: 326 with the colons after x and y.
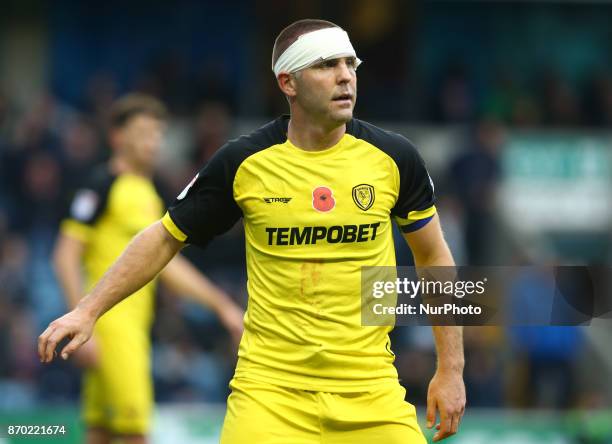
x: 145, y: 256
x: 67, y: 261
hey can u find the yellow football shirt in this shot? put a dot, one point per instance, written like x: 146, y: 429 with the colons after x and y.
x: 105, y: 215
x: 312, y: 220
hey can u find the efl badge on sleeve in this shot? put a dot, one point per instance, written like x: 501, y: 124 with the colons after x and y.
x: 84, y: 205
x: 186, y: 190
x: 363, y: 196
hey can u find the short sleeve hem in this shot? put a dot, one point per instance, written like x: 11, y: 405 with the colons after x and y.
x: 175, y: 231
x: 415, y: 219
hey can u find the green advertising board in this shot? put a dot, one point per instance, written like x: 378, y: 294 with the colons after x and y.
x: 556, y: 182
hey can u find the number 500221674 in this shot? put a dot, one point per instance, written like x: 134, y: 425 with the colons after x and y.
x: 30, y: 430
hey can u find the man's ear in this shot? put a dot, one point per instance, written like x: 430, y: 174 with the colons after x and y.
x: 286, y: 82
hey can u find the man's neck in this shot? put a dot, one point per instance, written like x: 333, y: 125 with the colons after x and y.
x: 120, y: 165
x: 311, y: 136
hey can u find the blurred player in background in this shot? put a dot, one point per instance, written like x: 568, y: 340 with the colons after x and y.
x: 119, y: 201
x: 317, y: 192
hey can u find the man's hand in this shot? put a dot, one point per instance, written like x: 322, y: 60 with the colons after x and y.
x: 446, y: 394
x: 232, y: 317
x: 76, y: 325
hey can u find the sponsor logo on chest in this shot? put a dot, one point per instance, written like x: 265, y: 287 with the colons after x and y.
x: 325, y: 201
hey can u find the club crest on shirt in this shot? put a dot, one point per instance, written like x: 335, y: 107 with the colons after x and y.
x: 323, y: 199
x: 363, y: 196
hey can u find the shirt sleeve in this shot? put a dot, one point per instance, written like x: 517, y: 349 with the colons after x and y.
x: 206, y: 207
x: 415, y: 205
x: 86, y: 206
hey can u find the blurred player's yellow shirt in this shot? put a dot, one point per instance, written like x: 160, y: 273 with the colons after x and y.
x: 312, y: 220
x: 105, y: 215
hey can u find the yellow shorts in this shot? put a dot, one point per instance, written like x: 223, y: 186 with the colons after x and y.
x: 118, y: 394
x: 262, y: 413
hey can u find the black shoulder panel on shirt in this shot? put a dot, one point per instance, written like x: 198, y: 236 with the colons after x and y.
x: 416, y: 188
x: 162, y: 189
x: 89, y: 201
x: 206, y: 208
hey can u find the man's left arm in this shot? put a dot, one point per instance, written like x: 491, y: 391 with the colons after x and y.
x: 446, y: 392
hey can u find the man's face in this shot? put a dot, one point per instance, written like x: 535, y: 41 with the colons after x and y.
x: 140, y: 139
x: 327, y: 90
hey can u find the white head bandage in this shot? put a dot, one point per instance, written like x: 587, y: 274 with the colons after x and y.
x: 323, y: 44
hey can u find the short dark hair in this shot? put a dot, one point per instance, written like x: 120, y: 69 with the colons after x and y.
x: 291, y: 33
x: 135, y: 104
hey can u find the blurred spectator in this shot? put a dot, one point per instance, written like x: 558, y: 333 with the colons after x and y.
x: 415, y: 360
x: 13, y: 270
x: 212, y: 128
x: 167, y: 78
x: 561, y: 106
x: 455, y: 102
x: 186, y: 365
x: 598, y: 99
x: 81, y: 150
x: 6, y: 360
x: 211, y: 85
x: 484, y: 366
x: 474, y: 176
x: 99, y: 94
x: 526, y: 112
x: 18, y: 364
x: 547, y: 355
x: 508, y: 103
x: 501, y: 100
x: 41, y: 191
x: 5, y: 120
